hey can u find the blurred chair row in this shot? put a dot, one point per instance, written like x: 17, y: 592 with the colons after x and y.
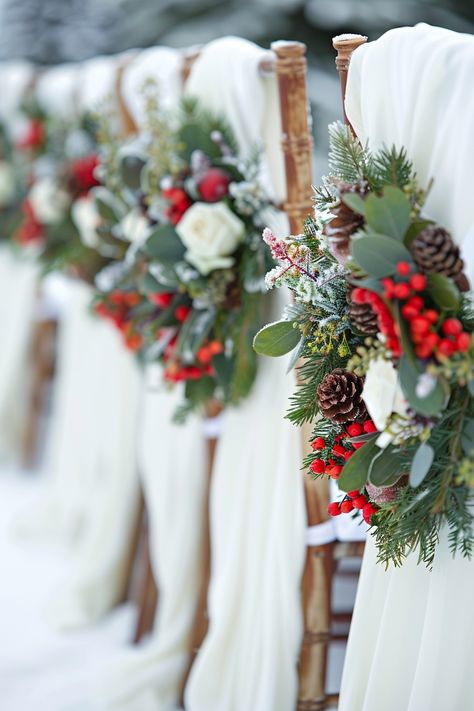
x: 105, y: 500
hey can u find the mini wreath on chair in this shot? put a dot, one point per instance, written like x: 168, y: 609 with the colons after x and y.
x: 383, y: 321
x: 183, y: 213
x: 57, y: 161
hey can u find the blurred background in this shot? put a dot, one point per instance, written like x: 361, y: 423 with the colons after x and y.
x: 52, y: 31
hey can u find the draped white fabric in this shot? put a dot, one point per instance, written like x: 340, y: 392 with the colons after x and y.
x: 172, y: 462
x: 56, y: 90
x: 173, y: 466
x: 18, y: 289
x: 411, y: 636
x: 248, y: 659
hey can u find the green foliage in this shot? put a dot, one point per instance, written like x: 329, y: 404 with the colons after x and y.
x: 354, y: 473
x: 277, y: 339
x: 378, y: 255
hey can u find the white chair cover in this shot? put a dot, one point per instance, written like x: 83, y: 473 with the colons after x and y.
x: 412, y: 87
x: 257, y: 505
x: 18, y: 296
x: 172, y: 462
x: 56, y: 90
x: 18, y: 292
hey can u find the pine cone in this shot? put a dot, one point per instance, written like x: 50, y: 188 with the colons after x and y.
x: 340, y: 396
x: 362, y: 316
x: 434, y: 251
x: 344, y: 223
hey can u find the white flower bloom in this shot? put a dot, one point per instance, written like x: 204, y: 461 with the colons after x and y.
x: 48, y: 201
x: 134, y: 227
x: 383, y: 396
x: 7, y: 183
x: 211, y: 232
x: 86, y: 217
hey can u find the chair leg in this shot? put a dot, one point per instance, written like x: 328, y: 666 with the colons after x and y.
x: 317, y: 583
x: 201, y: 619
x: 42, y: 358
x: 148, y: 592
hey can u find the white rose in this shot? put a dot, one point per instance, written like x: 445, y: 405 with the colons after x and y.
x: 7, y: 183
x: 48, y: 201
x: 134, y: 227
x: 86, y: 217
x: 211, y: 232
x: 383, y: 396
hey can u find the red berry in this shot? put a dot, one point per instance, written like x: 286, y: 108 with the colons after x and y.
x: 423, y: 350
x: 452, y: 327
x: 317, y: 466
x: 389, y: 287
x: 432, y: 340
x: 418, y: 282
x: 409, y: 311
x: 446, y: 348
x: 334, y: 509
x: 318, y: 443
x: 348, y: 455
x: 360, y: 501
x: 369, y: 426
x: 463, y: 342
x: 357, y: 445
x: 347, y: 506
x: 334, y: 471
x: 181, y: 313
x: 420, y: 325
x: 353, y: 494
x: 431, y: 315
x: 338, y: 450
x: 161, y: 300
x: 368, y: 511
x: 214, y: 185
x: 416, y: 302
x: 355, y: 429
x: 215, y: 347
x: 402, y: 291
x: 403, y: 268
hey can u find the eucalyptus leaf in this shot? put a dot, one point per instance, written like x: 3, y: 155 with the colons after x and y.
x: 199, y: 391
x: 443, y: 291
x: 149, y: 285
x: 390, y: 214
x: 470, y: 387
x: 131, y: 166
x: 414, y: 230
x: 276, y: 339
x: 165, y: 245
x: 193, y: 332
x: 369, y: 283
x: 378, y: 256
x: 428, y: 406
x: 355, y: 471
x: 421, y: 464
x: 407, y: 345
x: 385, y: 468
x: 355, y: 202
x: 109, y: 207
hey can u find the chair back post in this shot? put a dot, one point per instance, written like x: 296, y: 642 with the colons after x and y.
x: 297, y: 141
x: 128, y: 126
x: 297, y: 145
x: 344, y: 46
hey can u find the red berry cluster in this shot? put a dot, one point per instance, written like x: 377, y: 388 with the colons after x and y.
x: 179, y: 202
x: 33, y: 136
x: 214, y: 185
x: 386, y: 323
x: 354, y: 500
x: 341, y: 451
x: 82, y: 173
x: 116, y: 307
x: 30, y: 230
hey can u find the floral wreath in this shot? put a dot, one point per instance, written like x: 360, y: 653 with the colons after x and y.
x: 180, y: 215
x: 383, y: 321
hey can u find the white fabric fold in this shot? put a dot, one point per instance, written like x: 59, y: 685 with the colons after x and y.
x: 56, y: 90
x: 173, y: 465
x: 257, y: 514
x: 413, y: 88
x: 96, y: 81
x: 18, y: 295
x: 161, y: 64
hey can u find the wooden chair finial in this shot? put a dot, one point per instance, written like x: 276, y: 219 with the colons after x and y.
x: 297, y: 142
x: 344, y: 46
x: 127, y: 124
